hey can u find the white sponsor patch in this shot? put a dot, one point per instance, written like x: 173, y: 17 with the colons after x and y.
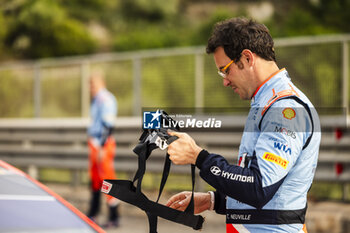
x: 215, y: 170
x: 106, y: 187
x: 232, y: 176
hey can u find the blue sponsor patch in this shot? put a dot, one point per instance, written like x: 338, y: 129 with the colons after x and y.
x: 282, y: 147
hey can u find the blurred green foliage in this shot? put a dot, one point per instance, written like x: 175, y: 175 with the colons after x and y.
x: 47, y: 28
x: 174, y: 85
x: 144, y: 37
x: 302, y: 17
x: 55, y: 175
x: 316, y: 70
x: 14, y: 85
x: 42, y: 28
x: 202, y: 32
x: 148, y: 10
x: 61, y: 91
x: 2, y: 31
x: 327, y: 190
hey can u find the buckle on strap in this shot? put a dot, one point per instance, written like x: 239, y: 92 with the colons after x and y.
x: 161, y: 143
x: 160, y: 138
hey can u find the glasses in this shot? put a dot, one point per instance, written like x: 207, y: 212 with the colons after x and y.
x: 223, y: 71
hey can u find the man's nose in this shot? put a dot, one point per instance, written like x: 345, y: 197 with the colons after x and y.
x: 226, y: 82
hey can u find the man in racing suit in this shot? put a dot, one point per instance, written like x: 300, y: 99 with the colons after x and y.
x: 267, y: 190
x: 102, y: 146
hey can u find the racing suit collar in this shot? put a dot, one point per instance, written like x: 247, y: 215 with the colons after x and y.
x: 269, y: 80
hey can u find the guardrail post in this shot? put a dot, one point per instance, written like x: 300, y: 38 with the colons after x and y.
x: 345, y: 74
x: 199, y: 81
x: 85, y: 100
x: 75, y: 178
x: 200, y: 184
x: 137, y: 67
x: 345, y: 191
x: 33, y: 171
x: 37, y: 91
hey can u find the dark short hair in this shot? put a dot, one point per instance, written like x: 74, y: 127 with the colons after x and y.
x: 237, y: 34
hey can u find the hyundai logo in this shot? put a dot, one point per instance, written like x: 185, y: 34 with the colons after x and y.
x: 215, y: 170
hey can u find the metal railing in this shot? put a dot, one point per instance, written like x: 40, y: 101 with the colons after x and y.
x: 61, y: 144
x: 129, y: 72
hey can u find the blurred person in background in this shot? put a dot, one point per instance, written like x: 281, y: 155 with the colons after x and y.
x: 267, y: 190
x: 102, y: 146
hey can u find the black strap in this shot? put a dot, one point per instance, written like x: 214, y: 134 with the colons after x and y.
x: 166, y: 169
x: 307, y: 109
x: 152, y: 222
x: 262, y: 216
x: 126, y: 191
x: 190, y: 207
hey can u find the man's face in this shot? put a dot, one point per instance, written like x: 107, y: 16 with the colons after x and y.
x: 238, y: 76
x: 96, y: 84
x: 93, y: 88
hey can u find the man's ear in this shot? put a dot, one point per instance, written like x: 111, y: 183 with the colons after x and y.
x: 248, y: 57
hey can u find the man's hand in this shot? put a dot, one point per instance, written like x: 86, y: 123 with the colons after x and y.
x: 181, y: 200
x: 184, y: 150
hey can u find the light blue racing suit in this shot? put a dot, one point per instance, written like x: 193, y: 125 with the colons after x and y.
x: 267, y: 190
x: 103, y: 112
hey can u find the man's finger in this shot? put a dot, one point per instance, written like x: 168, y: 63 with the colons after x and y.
x: 179, y: 205
x: 174, y: 199
x: 170, y: 201
x: 172, y: 204
x: 173, y: 133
